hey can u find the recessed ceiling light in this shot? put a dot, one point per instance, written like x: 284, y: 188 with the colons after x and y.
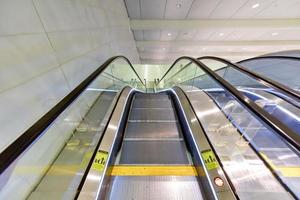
x: 255, y: 5
x: 221, y: 34
x: 274, y: 34
x: 178, y: 5
x: 163, y: 48
x: 169, y: 34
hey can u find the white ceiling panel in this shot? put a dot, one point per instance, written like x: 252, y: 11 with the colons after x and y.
x: 220, y: 34
x: 187, y: 35
x: 201, y: 9
x: 252, y: 8
x: 152, y: 35
x: 281, y: 35
x: 177, y: 9
x: 227, y: 8
x: 153, y: 9
x: 133, y: 9
x: 246, y: 34
x: 138, y: 35
x: 204, y: 34
x: 168, y: 35
x: 281, y: 9
x: 243, y: 38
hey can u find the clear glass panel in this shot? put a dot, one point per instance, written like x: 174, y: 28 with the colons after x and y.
x: 54, y: 164
x: 271, y: 100
x: 243, y: 140
x: 283, y: 70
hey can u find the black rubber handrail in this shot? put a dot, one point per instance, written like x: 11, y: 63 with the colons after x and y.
x: 8, y: 155
x: 270, y: 57
x: 260, y: 78
x: 273, y: 122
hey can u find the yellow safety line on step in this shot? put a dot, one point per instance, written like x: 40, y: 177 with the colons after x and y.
x: 151, y: 170
x: 285, y: 170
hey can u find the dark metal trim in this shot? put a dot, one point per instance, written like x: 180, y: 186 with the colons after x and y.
x: 274, y: 123
x: 21, y: 143
x: 260, y: 78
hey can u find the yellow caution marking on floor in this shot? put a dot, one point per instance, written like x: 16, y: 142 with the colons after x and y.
x: 286, y: 171
x: 151, y: 170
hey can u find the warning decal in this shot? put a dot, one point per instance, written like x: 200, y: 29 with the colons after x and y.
x: 100, y: 160
x: 209, y: 159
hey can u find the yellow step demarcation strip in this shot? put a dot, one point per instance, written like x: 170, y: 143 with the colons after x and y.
x: 152, y: 170
x: 285, y: 170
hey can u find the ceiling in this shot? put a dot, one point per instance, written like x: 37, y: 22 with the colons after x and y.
x: 232, y: 29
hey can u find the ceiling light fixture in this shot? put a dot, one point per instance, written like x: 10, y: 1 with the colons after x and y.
x: 169, y: 34
x: 255, y: 5
x: 178, y: 5
x: 274, y: 34
x: 164, y: 49
x: 221, y: 34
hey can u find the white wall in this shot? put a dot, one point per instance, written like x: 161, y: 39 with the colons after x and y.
x: 47, y: 47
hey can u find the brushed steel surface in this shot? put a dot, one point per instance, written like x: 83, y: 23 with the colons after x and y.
x: 160, y: 96
x: 152, y: 130
x: 198, y: 143
x: 250, y: 177
x: 92, y: 185
x: 154, y: 188
x: 153, y: 152
x: 153, y: 103
x: 152, y: 137
x: 152, y: 114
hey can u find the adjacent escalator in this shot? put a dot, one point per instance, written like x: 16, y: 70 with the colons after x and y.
x: 261, y: 131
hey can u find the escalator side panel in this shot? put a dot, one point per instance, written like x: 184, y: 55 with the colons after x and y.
x: 232, y: 148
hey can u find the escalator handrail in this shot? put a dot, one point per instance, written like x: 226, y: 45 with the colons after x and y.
x: 270, y: 57
x: 273, y: 122
x: 256, y: 76
x: 10, y: 153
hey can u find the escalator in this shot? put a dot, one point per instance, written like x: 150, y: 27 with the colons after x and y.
x: 153, y: 142
x: 203, y: 135
x: 153, y: 155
